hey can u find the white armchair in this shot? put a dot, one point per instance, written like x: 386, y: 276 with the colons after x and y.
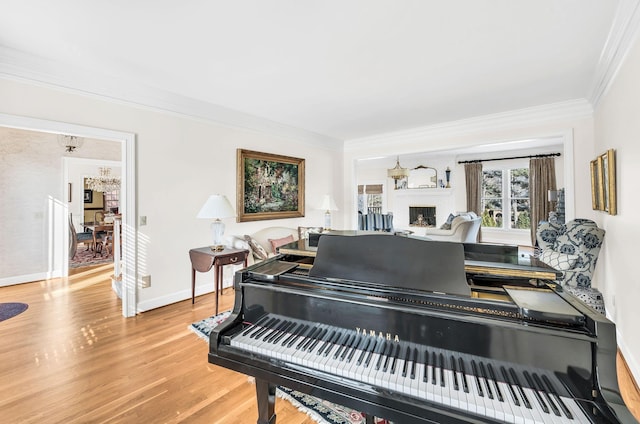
x: 464, y: 229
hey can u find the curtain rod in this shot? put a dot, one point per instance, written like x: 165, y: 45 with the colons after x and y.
x: 546, y: 155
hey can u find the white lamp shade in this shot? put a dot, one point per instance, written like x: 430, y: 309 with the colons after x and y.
x: 217, y: 206
x: 328, y: 204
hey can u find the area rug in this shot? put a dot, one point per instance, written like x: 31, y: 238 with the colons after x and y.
x: 85, y: 257
x: 320, y: 411
x: 10, y: 310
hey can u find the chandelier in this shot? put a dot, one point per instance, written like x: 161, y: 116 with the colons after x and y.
x: 397, y: 172
x: 70, y: 142
x: 104, y: 182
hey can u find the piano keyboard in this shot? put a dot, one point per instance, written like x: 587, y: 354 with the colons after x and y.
x: 472, y: 384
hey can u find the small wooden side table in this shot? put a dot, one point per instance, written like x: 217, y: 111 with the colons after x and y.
x: 203, y: 258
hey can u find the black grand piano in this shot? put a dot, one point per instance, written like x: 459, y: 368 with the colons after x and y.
x: 387, y: 325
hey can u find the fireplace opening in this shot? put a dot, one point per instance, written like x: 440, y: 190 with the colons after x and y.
x: 422, y: 216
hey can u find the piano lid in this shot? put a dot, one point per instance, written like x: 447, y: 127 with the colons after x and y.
x: 404, y: 262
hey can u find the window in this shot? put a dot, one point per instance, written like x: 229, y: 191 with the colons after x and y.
x: 370, y: 198
x: 505, y: 193
x: 111, y: 201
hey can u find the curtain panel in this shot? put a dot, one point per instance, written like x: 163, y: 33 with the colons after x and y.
x: 542, y: 178
x: 473, y: 182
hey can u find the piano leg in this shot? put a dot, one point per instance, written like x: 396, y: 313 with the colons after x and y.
x: 266, y: 394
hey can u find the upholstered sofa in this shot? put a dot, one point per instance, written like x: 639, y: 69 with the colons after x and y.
x: 573, y: 248
x: 461, y: 227
x: 260, y: 243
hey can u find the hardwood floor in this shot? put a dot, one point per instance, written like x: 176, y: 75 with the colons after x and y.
x: 72, y: 358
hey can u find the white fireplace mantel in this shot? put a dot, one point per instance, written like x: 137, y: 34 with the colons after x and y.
x: 424, y: 192
x: 440, y: 198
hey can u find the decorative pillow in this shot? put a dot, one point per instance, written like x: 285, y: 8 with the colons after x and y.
x: 275, y: 243
x: 447, y: 224
x: 557, y: 260
x: 257, y: 250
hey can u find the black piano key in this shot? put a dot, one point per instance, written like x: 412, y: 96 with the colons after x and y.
x: 463, y: 376
x: 507, y: 380
x: 365, y: 349
x: 318, y: 339
x: 283, y: 333
x: 304, y: 343
x: 414, y: 360
x: 474, y: 369
x: 552, y: 390
x: 425, y: 377
x: 405, y: 367
x: 303, y: 330
x: 282, y: 327
x: 434, y: 367
x: 541, y: 388
x: 342, y: 345
x: 383, y: 351
x: 441, y: 365
x: 294, y: 332
x: 256, y: 325
x: 354, y: 347
x: 387, y: 356
x: 454, y: 369
x: 372, y: 350
x: 492, y: 375
x: 267, y: 327
x: 341, y: 335
x: 516, y: 381
x: 342, y: 350
x: 483, y: 374
x: 326, y: 342
x: 541, y: 401
x: 275, y: 330
x: 394, y: 360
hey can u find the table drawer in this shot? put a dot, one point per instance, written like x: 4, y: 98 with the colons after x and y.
x: 237, y: 258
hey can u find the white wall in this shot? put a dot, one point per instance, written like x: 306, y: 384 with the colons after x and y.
x: 181, y: 161
x: 617, y: 126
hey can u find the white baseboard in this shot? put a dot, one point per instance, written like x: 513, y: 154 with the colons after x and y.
x: 175, y: 297
x: 28, y: 278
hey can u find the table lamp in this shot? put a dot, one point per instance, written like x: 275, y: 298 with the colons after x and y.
x: 328, y: 205
x: 217, y: 206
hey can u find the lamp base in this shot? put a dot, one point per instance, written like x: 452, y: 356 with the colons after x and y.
x: 217, y: 231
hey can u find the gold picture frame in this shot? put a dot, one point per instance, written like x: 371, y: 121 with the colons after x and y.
x: 269, y: 186
x: 603, y: 183
x: 595, y: 185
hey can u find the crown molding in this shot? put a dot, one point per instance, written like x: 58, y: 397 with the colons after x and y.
x: 572, y: 109
x: 623, y: 33
x: 24, y: 67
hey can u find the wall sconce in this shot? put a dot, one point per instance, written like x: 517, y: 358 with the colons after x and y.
x: 70, y: 142
x: 447, y: 173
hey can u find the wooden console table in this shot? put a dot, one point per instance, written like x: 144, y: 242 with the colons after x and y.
x: 203, y: 258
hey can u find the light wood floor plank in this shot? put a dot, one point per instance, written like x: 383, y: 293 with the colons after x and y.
x: 72, y: 358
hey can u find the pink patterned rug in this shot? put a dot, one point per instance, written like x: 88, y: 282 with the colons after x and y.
x: 85, y: 257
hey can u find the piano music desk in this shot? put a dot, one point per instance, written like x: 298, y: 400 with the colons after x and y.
x: 492, y: 263
x: 203, y: 258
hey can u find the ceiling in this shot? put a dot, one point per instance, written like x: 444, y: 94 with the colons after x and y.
x: 342, y: 69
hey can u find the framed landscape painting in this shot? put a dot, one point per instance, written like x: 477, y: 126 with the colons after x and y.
x: 269, y: 186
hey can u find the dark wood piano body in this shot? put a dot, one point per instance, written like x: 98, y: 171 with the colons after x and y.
x: 578, y: 357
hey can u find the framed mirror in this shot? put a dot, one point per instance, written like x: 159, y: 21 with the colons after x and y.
x: 422, y: 177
